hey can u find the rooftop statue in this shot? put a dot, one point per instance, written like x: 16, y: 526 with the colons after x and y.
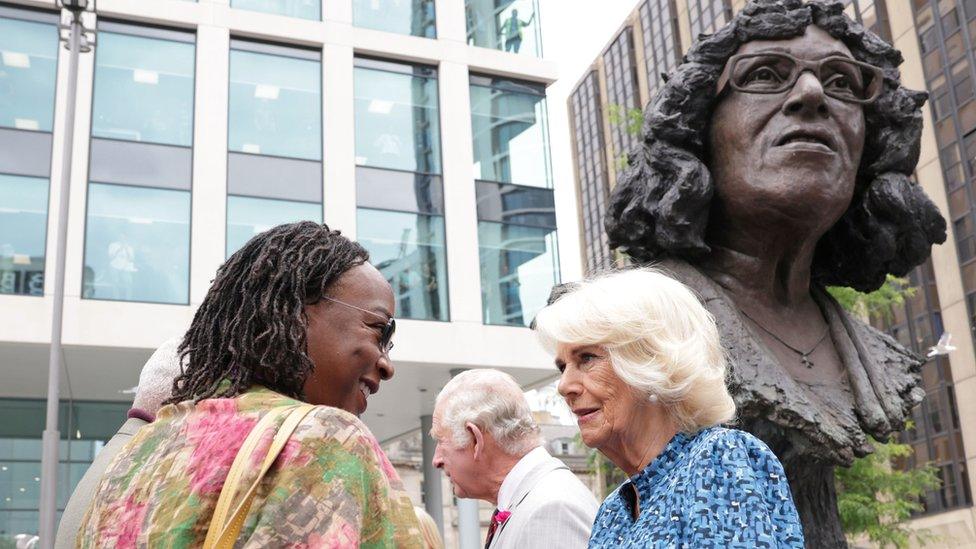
x: 777, y: 160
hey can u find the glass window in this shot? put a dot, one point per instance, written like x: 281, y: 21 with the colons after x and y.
x: 28, y: 69
x: 397, y: 120
x: 143, y: 89
x: 304, y: 9
x: 275, y: 105
x: 20, y: 456
x: 23, y: 228
x: 414, y: 17
x: 510, y: 134
x: 519, y: 266
x: 408, y: 249
x: 511, y: 26
x: 248, y: 216
x: 137, y: 244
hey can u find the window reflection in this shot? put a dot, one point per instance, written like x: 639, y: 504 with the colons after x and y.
x: 23, y: 227
x: 304, y: 9
x: 248, y: 216
x: 28, y: 68
x: 143, y: 89
x: 415, y: 17
x: 507, y: 25
x: 137, y: 244
x: 275, y: 105
x: 519, y: 266
x: 510, y: 134
x: 397, y: 120
x: 93, y: 423
x: 408, y: 249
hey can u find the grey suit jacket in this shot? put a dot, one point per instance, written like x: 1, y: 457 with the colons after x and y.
x: 552, y: 509
x: 77, y: 505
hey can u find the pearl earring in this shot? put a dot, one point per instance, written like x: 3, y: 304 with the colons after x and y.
x: 652, y: 399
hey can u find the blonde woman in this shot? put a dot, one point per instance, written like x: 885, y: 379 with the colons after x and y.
x: 642, y: 369
x: 428, y: 529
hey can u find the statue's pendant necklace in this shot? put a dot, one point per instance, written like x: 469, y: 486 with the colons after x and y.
x: 804, y: 356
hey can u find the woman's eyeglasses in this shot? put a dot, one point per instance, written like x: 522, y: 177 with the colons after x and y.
x: 773, y: 72
x: 386, y: 335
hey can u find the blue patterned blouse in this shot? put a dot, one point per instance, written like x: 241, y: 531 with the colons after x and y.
x: 718, y: 488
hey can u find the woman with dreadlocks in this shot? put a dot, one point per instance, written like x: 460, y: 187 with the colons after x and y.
x: 296, y: 316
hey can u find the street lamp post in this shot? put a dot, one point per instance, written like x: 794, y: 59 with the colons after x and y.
x: 76, y: 42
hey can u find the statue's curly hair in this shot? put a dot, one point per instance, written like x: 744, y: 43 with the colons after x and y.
x: 660, y: 205
x: 251, y: 326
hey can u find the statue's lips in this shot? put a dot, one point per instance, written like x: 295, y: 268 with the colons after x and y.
x: 807, y: 140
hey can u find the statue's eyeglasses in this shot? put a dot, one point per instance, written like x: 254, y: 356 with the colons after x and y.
x: 386, y: 335
x: 773, y: 72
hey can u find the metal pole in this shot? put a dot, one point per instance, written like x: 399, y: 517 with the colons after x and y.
x: 51, y: 438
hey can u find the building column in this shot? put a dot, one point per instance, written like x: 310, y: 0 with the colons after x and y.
x: 339, y: 150
x: 432, y: 489
x: 469, y: 524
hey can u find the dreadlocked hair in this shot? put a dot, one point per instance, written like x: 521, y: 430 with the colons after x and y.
x: 251, y: 327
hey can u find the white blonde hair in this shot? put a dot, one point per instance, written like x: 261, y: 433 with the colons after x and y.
x: 660, y: 339
x: 494, y: 402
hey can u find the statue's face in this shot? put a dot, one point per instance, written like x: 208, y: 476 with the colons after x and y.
x: 790, y: 156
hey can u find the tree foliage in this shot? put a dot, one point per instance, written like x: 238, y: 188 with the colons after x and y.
x: 877, y: 304
x: 631, y: 120
x: 876, y: 498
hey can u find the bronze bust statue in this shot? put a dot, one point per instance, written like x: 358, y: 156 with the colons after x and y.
x: 776, y: 161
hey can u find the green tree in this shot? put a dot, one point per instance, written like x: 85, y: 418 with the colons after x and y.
x: 632, y: 120
x: 878, y: 494
x: 877, y: 304
x: 876, y: 498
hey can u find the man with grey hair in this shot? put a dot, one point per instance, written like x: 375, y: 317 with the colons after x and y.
x: 155, y: 387
x: 491, y: 449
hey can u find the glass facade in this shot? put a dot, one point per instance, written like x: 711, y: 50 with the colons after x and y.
x: 413, y: 17
x: 707, y: 16
x: 143, y: 89
x: 89, y: 424
x: 510, y: 132
x: 397, y: 122
x: 248, y: 216
x: 591, y: 171
x: 519, y: 266
x: 23, y: 230
x: 137, y: 229
x: 137, y: 244
x: 873, y: 14
x: 662, y: 47
x: 28, y: 71
x: 275, y: 103
x: 29, y: 60
x: 304, y: 9
x: 623, y: 95
x: 408, y: 248
x: 516, y: 216
x: 507, y: 25
x: 398, y: 179
x: 274, y: 163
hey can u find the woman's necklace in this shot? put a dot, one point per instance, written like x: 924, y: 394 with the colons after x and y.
x: 804, y: 356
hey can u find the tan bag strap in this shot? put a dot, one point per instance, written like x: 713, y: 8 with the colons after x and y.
x: 223, y: 531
